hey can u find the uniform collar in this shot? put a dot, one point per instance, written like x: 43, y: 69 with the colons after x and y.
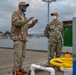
x: 55, y: 21
x: 22, y: 13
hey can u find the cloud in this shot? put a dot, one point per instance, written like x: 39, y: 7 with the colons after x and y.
x: 65, y: 8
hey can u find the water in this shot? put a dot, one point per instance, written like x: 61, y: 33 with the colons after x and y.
x: 33, y: 43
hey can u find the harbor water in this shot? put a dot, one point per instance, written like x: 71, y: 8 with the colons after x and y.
x: 34, y: 43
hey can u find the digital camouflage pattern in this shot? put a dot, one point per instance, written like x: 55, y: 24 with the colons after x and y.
x: 54, y: 33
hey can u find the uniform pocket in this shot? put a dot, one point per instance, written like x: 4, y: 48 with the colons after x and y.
x: 23, y: 36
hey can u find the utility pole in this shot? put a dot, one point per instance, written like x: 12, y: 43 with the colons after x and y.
x: 48, y: 1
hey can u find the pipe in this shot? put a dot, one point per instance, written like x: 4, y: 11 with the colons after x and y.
x: 49, y: 69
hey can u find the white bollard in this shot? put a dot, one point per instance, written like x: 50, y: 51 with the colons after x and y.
x: 67, y: 71
x: 49, y: 69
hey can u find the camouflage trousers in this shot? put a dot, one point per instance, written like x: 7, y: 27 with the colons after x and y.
x: 55, y: 49
x: 19, y: 53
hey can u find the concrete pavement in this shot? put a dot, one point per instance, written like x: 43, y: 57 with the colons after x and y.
x: 32, y: 57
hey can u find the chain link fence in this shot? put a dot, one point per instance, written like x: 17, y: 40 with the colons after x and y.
x: 37, y: 9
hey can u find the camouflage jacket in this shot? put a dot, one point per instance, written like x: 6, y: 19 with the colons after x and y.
x: 54, y: 31
x: 20, y: 25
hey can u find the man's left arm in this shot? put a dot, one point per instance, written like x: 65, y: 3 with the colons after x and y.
x: 61, y: 28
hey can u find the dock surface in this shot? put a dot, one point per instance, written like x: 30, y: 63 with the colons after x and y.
x: 32, y: 57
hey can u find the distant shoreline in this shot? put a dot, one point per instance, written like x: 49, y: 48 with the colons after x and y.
x: 36, y: 44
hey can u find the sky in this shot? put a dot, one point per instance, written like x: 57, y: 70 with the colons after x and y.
x: 37, y: 9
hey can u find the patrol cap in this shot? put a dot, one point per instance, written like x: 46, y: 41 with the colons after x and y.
x: 54, y: 13
x: 23, y: 3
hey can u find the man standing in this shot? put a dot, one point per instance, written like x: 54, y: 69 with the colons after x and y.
x: 19, y: 31
x: 54, y: 33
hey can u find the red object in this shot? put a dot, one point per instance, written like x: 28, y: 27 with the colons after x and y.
x: 15, y: 67
x: 67, y: 52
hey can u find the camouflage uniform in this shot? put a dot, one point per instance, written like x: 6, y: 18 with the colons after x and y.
x: 19, y: 33
x: 54, y: 33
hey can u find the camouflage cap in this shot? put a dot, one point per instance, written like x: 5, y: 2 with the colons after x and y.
x: 23, y: 3
x: 54, y: 13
